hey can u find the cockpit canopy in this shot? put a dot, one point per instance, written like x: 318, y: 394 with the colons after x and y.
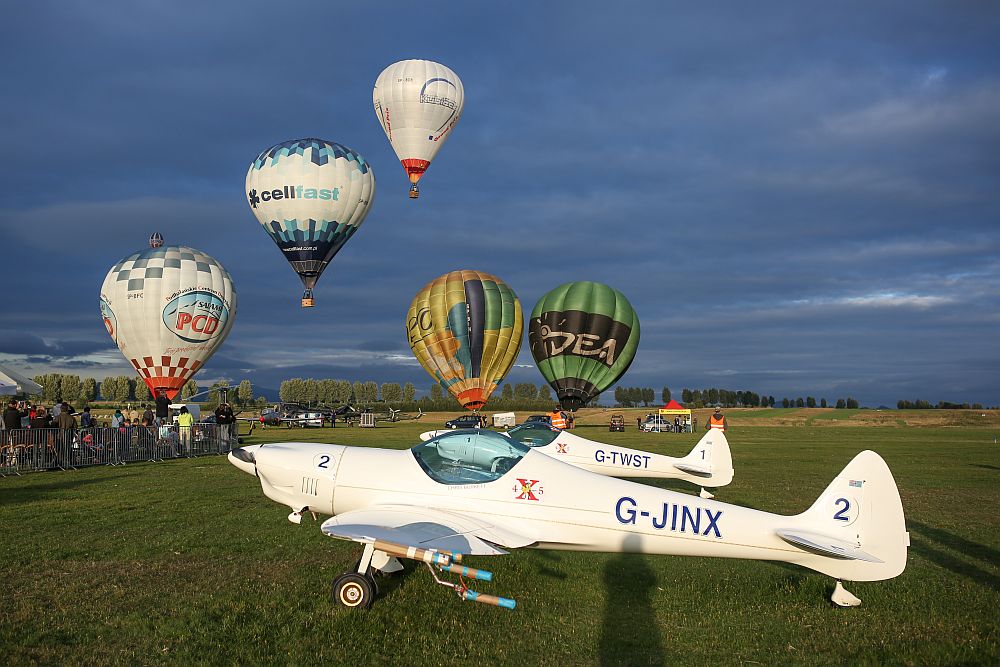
x: 534, y: 434
x: 468, y: 456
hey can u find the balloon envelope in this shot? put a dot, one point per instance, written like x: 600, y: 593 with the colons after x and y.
x: 168, y: 309
x: 310, y: 195
x: 417, y: 103
x: 583, y: 337
x: 465, y: 329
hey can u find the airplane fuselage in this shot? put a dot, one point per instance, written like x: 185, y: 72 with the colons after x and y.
x: 546, y: 503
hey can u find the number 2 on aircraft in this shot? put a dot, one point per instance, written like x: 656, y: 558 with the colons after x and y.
x: 841, y: 514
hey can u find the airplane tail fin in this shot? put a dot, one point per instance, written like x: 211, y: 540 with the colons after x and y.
x: 855, y: 530
x: 710, y: 462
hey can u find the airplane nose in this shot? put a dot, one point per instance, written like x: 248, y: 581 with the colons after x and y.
x: 244, y: 458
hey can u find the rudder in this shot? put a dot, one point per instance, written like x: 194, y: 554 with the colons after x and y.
x: 855, y: 530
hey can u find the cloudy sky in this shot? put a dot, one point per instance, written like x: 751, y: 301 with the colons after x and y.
x: 797, y: 198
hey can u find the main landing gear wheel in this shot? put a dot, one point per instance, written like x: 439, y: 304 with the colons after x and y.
x: 354, y: 591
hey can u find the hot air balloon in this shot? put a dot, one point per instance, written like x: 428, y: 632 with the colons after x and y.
x: 417, y: 102
x: 168, y: 309
x: 310, y: 196
x: 465, y: 329
x: 583, y: 336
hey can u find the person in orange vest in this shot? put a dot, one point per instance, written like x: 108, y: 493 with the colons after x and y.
x: 557, y: 418
x: 717, y: 420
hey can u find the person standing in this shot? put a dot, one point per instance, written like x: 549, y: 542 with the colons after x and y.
x: 717, y: 421
x: 185, y: 421
x: 225, y: 419
x: 86, y: 419
x: 147, y: 415
x: 162, y: 408
x: 12, y: 416
x: 557, y: 418
x: 66, y: 423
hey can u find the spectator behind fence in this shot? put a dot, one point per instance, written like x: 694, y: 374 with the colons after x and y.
x: 86, y: 419
x: 56, y: 409
x: 41, y: 420
x: 224, y: 418
x: 147, y: 415
x: 66, y: 423
x: 12, y: 416
x: 117, y: 419
x: 184, y: 422
x: 162, y: 408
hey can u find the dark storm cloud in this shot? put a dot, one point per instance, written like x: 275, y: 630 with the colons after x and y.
x: 796, y: 200
x: 15, y: 342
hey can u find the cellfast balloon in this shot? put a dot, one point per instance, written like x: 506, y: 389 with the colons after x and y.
x: 465, y: 329
x: 417, y: 102
x: 168, y: 308
x: 310, y: 196
x: 583, y: 336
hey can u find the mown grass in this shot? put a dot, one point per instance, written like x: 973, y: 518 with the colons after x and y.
x: 186, y: 562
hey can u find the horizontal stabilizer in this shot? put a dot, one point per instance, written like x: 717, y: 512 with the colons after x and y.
x: 700, y: 471
x: 826, y: 545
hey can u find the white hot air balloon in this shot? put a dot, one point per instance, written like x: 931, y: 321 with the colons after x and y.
x: 417, y: 102
x: 168, y: 308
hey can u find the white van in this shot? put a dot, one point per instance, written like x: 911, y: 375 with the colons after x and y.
x: 504, y: 419
x: 194, y: 409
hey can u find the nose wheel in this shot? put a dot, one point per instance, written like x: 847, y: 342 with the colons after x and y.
x: 354, y: 591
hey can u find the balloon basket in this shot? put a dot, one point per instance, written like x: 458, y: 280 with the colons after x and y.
x: 414, y: 191
x: 307, y: 299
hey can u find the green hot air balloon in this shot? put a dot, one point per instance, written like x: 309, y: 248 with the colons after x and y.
x: 583, y: 337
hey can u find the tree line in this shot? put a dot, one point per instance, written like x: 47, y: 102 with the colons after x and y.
x: 128, y: 388
x: 310, y: 391
x: 517, y: 396
x: 920, y: 404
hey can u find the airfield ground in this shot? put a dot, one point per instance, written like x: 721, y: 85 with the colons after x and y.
x: 186, y: 562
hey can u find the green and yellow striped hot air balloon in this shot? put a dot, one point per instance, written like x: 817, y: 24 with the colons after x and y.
x: 583, y: 336
x: 465, y: 329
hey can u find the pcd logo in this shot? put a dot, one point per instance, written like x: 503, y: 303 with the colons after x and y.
x: 196, y: 316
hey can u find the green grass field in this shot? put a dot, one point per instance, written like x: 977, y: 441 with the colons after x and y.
x: 186, y: 562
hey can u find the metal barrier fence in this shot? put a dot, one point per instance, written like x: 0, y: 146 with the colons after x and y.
x: 28, y: 450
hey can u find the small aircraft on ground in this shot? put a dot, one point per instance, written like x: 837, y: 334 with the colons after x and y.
x: 709, y: 463
x: 475, y: 492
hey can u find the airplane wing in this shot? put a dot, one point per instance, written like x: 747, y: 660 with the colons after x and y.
x: 424, y: 528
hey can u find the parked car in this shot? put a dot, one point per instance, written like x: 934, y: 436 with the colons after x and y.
x: 466, y: 421
x: 657, y: 423
x: 617, y: 423
x: 544, y: 419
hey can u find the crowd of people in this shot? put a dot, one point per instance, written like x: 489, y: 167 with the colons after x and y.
x: 69, y: 441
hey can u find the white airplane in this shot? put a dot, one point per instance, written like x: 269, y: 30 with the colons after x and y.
x: 475, y: 492
x: 709, y: 463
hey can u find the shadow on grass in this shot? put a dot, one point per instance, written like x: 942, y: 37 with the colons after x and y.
x: 949, y: 562
x: 985, y: 466
x: 546, y: 571
x: 629, y: 632
x: 45, y: 491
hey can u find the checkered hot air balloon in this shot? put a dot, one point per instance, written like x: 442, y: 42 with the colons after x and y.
x: 465, y: 329
x: 417, y: 102
x: 168, y: 309
x: 310, y: 196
